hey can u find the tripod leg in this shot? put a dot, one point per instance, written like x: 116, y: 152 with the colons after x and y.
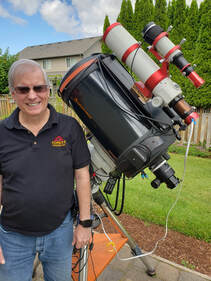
x: 83, y: 265
x: 100, y: 200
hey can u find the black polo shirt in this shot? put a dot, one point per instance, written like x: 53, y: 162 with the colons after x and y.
x: 38, y: 172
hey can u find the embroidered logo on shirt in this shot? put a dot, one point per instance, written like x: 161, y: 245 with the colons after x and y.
x: 58, y: 141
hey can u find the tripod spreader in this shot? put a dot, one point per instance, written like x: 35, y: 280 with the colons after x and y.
x: 136, y: 251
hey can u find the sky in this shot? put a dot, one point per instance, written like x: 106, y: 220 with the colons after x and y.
x: 26, y: 23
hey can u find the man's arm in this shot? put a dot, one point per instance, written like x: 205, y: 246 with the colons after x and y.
x: 82, y: 234
x: 2, y: 261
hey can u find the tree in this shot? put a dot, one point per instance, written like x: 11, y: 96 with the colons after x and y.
x: 170, y: 11
x: 126, y: 15
x: 104, y: 47
x: 130, y: 17
x: 137, y: 26
x: 122, y: 18
x: 6, y: 61
x: 177, y: 32
x: 160, y: 16
x: 191, y: 28
x: 202, y: 97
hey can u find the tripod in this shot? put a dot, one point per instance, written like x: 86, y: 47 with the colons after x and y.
x: 124, y: 237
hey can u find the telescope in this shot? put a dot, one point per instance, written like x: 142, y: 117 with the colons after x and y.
x: 131, y: 124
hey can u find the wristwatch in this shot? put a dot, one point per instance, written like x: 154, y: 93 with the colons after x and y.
x: 85, y: 223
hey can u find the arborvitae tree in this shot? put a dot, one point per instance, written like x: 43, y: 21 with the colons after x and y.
x: 179, y: 18
x: 123, y: 14
x: 104, y: 47
x: 170, y: 11
x: 147, y: 12
x: 201, y: 7
x: 130, y: 16
x: 160, y: 16
x: 137, y: 24
x: 202, y: 97
x: 118, y: 18
x: 191, y: 28
x: 126, y: 15
x: 146, y: 15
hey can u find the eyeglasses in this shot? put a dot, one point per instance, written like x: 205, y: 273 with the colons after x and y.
x: 25, y: 89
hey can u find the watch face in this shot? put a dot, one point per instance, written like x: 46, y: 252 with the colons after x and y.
x: 86, y: 223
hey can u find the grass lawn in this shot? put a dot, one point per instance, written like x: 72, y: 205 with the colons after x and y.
x: 191, y: 215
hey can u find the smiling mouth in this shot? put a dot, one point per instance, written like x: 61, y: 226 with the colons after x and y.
x: 33, y: 104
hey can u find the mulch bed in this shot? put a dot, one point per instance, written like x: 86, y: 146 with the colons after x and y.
x: 179, y: 248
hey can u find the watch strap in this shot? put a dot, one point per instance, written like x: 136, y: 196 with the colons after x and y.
x: 85, y: 223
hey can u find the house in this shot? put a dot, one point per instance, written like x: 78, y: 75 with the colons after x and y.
x: 57, y: 58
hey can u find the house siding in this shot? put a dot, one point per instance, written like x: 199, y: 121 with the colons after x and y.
x: 58, y: 52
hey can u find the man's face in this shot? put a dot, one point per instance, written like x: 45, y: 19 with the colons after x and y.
x: 33, y: 103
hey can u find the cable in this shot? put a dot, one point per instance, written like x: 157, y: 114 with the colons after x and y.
x: 123, y: 198
x: 78, y: 261
x: 117, y: 213
x: 131, y: 67
x: 90, y: 250
x: 167, y: 217
x: 117, y: 198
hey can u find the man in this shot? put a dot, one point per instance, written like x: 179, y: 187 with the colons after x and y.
x: 41, y: 153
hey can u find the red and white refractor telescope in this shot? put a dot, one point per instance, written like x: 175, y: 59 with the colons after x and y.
x: 155, y: 82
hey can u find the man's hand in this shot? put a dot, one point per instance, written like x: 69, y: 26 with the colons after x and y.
x: 2, y: 260
x: 81, y: 236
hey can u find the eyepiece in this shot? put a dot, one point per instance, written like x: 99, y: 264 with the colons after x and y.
x: 164, y: 173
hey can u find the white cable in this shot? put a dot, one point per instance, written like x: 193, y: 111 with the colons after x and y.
x: 167, y: 217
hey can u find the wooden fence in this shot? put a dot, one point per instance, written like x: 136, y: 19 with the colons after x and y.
x: 201, y: 133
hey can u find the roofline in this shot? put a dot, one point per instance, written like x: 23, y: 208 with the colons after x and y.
x: 63, y: 41
x: 63, y: 56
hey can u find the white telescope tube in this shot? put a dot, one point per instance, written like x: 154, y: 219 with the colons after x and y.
x: 127, y: 49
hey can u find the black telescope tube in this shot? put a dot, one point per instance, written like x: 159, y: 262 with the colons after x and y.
x: 182, y: 64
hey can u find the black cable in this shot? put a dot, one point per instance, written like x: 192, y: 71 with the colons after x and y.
x: 123, y: 199
x: 117, y: 213
x: 117, y: 194
x: 93, y: 266
x: 131, y: 68
x: 75, y: 265
x: 83, y: 264
x: 90, y: 250
x: 117, y: 198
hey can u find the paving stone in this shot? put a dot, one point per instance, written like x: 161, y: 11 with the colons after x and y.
x: 111, y: 274
x: 188, y: 276
x: 152, y: 261
x: 134, y: 275
x: 135, y: 270
x: 167, y: 272
x: 118, y: 263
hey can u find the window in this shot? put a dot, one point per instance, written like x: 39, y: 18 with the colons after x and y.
x: 47, y: 64
x: 70, y: 61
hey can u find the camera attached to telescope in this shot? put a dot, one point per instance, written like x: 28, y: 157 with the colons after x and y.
x: 131, y: 124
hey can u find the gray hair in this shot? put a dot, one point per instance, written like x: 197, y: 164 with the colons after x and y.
x: 22, y: 65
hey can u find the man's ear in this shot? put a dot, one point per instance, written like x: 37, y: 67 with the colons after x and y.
x: 13, y: 95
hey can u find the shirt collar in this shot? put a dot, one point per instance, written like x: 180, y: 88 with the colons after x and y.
x: 12, y: 122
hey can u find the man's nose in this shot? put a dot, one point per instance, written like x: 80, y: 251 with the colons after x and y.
x: 32, y: 94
